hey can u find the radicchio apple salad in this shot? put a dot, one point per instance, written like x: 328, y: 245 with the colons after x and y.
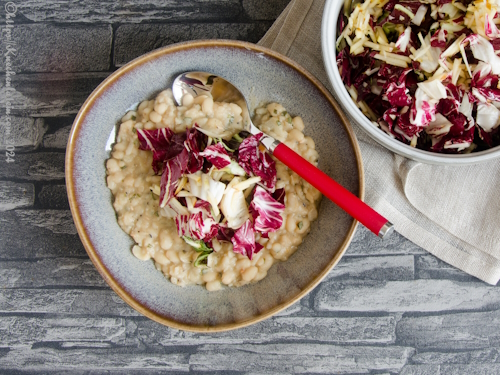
x: 209, y: 211
x: 425, y: 71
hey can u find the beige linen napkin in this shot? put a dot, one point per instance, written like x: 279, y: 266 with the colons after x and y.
x: 452, y: 212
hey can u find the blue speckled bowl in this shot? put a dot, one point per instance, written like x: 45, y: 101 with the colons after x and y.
x: 263, y: 76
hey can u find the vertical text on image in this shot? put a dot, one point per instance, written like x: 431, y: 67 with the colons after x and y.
x: 10, y: 52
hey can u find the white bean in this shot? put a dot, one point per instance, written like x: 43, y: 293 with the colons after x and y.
x: 161, y: 258
x: 268, y: 262
x: 172, y: 255
x: 213, y: 286
x: 242, y: 264
x: 298, y: 123
x: 140, y: 253
x: 208, y: 106
x: 296, y: 135
x: 249, y: 273
x: 209, y: 276
x: 155, y: 117
x: 228, y: 277
x: 160, y: 108
x: 187, y: 100
x: 165, y: 240
x: 112, y: 165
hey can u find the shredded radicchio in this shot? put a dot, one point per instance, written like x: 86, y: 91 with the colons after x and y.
x: 217, y: 155
x: 422, y: 116
x: 244, y: 240
x: 268, y: 211
x: 199, y: 225
x: 256, y: 162
x: 164, y: 144
x: 186, y: 154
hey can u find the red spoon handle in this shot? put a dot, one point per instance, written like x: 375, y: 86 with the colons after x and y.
x: 334, y: 191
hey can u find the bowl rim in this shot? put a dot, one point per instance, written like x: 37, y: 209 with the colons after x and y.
x: 328, y: 39
x: 71, y: 183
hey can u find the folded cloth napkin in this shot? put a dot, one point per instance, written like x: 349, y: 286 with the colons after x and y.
x: 452, y: 212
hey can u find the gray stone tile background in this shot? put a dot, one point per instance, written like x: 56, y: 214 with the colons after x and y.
x: 387, y: 308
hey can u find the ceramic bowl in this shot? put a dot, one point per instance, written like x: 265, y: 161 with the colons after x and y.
x: 328, y: 39
x: 263, y: 76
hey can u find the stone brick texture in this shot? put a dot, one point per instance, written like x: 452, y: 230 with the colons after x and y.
x: 51, y: 48
x: 132, y: 41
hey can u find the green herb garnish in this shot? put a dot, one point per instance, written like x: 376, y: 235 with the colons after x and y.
x: 201, y: 260
x: 390, y: 31
x: 238, y: 138
x: 219, y: 140
x: 200, y: 247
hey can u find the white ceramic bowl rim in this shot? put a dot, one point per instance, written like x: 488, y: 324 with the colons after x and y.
x: 328, y: 40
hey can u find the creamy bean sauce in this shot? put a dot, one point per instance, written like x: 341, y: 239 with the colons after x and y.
x: 130, y: 178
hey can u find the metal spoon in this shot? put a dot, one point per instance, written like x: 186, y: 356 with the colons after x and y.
x: 203, y: 83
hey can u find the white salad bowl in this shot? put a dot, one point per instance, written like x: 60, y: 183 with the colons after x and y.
x: 263, y: 76
x: 328, y: 39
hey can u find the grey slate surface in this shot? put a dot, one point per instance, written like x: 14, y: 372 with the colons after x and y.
x: 387, y: 308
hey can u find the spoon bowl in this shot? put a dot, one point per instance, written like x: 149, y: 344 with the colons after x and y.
x: 221, y: 90
x: 204, y: 83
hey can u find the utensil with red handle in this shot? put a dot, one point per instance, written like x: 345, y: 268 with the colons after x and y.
x: 203, y: 83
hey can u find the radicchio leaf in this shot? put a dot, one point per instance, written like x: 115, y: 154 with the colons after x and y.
x: 482, y: 76
x: 483, y: 50
x: 390, y: 72
x: 490, y: 29
x: 225, y: 234
x: 438, y: 39
x: 423, y: 110
x: 203, y: 226
x: 173, y: 170
x: 269, y: 211
x: 404, y: 40
x: 154, y: 140
x: 182, y: 224
x: 484, y: 84
x: 256, y: 162
x: 194, y: 142
x: 279, y: 195
x: 352, y: 67
x: 407, y: 126
x: 398, y: 16
x: 396, y: 91
x: 454, y: 141
x: 217, y: 155
x: 164, y: 144
x: 244, y: 241
x: 488, y: 116
x: 199, y: 225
